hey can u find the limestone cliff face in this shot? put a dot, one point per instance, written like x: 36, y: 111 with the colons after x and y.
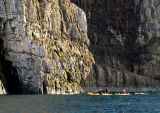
x: 43, y: 46
x: 125, y: 41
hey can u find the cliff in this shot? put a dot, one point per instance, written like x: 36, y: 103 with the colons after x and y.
x: 125, y: 42
x: 43, y: 46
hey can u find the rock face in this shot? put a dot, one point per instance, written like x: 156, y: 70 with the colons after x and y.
x: 125, y: 42
x: 43, y: 46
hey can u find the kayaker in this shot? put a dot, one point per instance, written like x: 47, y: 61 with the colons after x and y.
x: 107, y: 90
x: 124, y: 91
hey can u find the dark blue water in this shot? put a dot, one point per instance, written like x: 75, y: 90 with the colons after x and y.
x: 80, y: 104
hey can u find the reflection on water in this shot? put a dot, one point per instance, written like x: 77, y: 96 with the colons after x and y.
x: 80, y: 104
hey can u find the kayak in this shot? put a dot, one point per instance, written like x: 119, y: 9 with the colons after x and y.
x: 141, y: 93
x: 97, y: 94
x: 106, y: 94
x: 94, y: 94
x: 122, y: 94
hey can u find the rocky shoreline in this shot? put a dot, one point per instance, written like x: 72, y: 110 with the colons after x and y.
x: 120, y: 89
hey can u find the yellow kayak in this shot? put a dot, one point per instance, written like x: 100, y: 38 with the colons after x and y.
x: 94, y: 94
x: 122, y: 94
x: 97, y: 94
x: 106, y: 94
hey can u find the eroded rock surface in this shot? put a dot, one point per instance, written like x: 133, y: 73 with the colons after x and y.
x: 44, y: 46
x: 125, y: 41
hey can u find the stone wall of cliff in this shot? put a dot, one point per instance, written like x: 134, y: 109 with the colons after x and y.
x: 43, y: 46
x: 125, y: 41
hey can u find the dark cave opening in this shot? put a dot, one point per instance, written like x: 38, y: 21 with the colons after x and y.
x: 13, y: 84
x: 9, y: 77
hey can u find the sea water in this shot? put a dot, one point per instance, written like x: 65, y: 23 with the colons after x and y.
x: 79, y: 104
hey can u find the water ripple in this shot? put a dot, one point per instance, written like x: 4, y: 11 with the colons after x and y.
x: 79, y: 104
